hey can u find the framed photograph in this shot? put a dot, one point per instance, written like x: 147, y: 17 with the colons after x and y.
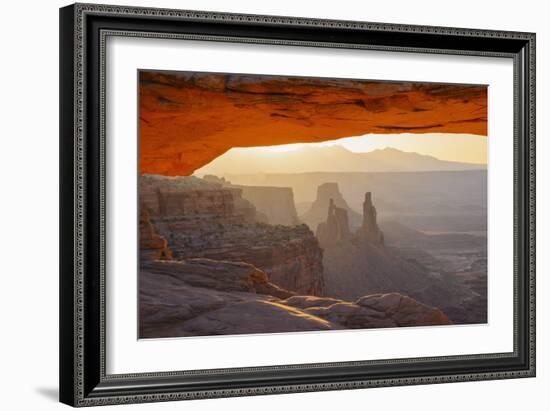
x: 261, y: 204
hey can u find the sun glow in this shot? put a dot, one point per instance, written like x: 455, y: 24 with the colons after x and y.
x: 337, y: 155
x: 466, y: 148
x: 283, y: 148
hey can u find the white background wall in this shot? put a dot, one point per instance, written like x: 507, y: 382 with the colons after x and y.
x: 29, y: 204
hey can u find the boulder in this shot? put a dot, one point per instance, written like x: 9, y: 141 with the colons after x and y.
x: 404, y: 310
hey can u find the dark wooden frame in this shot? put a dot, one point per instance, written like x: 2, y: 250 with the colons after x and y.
x: 83, y: 30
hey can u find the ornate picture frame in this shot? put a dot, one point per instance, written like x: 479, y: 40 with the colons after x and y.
x: 84, y: 30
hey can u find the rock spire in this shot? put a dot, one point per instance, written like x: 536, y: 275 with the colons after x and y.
x: 335, y: 228
x: 370, y: 226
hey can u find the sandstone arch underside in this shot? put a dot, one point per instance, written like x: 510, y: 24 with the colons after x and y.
x: 188, y: 119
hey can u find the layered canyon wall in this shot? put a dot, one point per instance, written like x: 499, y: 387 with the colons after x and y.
x: 237, y: 288
x: 277, y: 203
x: 204, y: 219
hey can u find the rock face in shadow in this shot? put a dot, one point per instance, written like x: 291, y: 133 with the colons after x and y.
x: 458, y: 258
x: 208, y: 297
x: 327, y: 193
x: 356, y: 267
x: 290, y: 255
x: 202, y: 219
x: 358, y: 263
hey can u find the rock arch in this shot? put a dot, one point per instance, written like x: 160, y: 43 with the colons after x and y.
x: 188, y: 119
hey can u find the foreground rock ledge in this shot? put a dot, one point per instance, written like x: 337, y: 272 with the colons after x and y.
x: 199, y: 297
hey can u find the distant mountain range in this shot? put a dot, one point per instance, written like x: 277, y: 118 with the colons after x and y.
x: 328, y: 159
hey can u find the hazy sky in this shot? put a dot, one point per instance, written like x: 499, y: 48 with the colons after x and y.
x: 465, y: 148
x: 369, y: 153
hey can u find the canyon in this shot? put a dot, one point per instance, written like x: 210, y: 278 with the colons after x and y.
x: 209, y: 260
x: 419, y: 200
x: 205, y: 219
x: 361, y: 261
x: 244, y: 231
x: 203, y: 296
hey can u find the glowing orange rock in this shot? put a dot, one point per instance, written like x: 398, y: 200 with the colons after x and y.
x: 189, y: 119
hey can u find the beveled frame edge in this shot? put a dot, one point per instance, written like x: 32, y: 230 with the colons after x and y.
x: 73, y: 197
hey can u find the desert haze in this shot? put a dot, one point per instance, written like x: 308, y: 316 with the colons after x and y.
x: 289, y: 204
x: 336, y: 158
x: 324, y: 247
